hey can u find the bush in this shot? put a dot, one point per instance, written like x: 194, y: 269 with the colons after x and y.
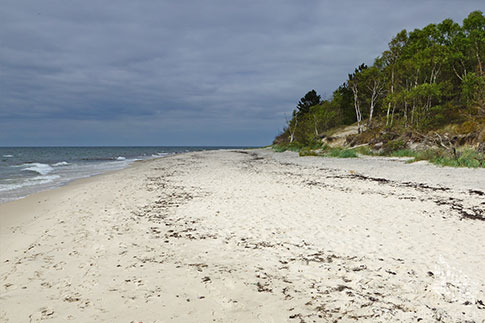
x: 308, y: 152
x: 342, y: 153
x: 347, y: 153
x: 394, y: 145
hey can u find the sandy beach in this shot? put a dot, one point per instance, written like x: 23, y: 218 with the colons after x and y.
x: 249, y: 236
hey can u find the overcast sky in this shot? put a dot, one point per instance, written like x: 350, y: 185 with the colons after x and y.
x: 222, y: 72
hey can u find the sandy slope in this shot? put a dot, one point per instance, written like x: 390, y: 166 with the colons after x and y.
x: 249, y: 236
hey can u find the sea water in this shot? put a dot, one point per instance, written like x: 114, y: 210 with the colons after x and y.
x: 26, y: 170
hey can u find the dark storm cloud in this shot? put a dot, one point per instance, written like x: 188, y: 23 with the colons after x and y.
x: 183, y: 72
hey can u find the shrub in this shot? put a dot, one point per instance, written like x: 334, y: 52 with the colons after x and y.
x: 280, y: 148
x: 403, y: 153
x: 348, y: 153
x: 394, y: 145
x: 342, y: 153
x: 468, y: 127
x: 308, y: 152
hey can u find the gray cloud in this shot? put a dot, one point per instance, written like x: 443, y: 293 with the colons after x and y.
x: 183, y: 72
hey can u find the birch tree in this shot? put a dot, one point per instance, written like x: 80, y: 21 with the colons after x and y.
x: 354, y: 86
x: 374, y: 81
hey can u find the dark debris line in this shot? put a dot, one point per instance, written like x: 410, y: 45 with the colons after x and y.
x: 473, y: 213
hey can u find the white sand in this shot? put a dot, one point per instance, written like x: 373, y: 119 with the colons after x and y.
x: 249, y: 236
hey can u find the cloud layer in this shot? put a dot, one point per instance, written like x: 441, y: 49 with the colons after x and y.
x: 183, y: 72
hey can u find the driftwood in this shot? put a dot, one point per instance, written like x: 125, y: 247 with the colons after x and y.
x: 481, y: 148
x: 448, y: 144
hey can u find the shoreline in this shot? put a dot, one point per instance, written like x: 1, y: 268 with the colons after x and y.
x: 68, y: 182
x: 248, y: 235
x: 35, y: 169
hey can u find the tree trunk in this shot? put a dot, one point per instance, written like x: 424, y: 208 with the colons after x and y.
x: 414, y: 100
x: 478, y: 59
x: 392, y: 91
x: 405, y: 113
x: 358, y: 114
x: 292, y: 132
x: 412, y: 113
x: 392, y: 116
x: 373, y: 99
x: 315, y: 124
x: 371, y: 112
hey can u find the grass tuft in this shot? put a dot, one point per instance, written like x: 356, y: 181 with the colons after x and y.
x: 343, y: 153
x: 327, y: 151
x: 467, y: 158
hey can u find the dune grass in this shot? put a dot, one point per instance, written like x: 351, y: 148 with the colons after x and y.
x: 466, y: 157
x: 327, y: 151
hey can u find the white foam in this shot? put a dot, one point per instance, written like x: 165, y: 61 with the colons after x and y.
x: 9, y: 187
x: 7, y: 156
x: 63, y: 163
x: 120, y: 158
x: 159, y: 154
x: 42, y: 169
x: 38, y: 180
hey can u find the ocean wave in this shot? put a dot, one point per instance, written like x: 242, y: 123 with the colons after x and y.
x: 159, y: 154
x: 97, y: 158
x: 42, y: 169
x: 38, y: 180
x: 8, y: 156
x: 63, y: 163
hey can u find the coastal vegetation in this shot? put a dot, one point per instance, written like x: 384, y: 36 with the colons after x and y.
x: 423, y: 97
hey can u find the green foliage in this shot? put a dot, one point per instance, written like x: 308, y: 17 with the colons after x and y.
x: 468, y: 158
x: 295, y: 146
x: 326, y: 151
x: 279, y: 148
x: 470, y: 126
x: 473, y: 90
x: 402, y: 153
x: 342, y: 153
x: 394, y: 145
x: 308, y: 152
x: 313, y: 145
x: 310, y: 99
x: 341, y: 103
x: 427, y: 79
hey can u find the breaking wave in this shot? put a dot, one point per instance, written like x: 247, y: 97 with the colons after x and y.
x: 63, y: 163
x: 42, y: 169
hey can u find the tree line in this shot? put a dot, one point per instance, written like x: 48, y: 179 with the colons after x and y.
x: 426, y: 79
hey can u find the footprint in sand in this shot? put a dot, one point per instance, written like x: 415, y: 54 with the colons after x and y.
x: 42, y: 314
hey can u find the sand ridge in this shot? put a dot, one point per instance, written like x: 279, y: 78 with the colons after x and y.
x: 250, y: 235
